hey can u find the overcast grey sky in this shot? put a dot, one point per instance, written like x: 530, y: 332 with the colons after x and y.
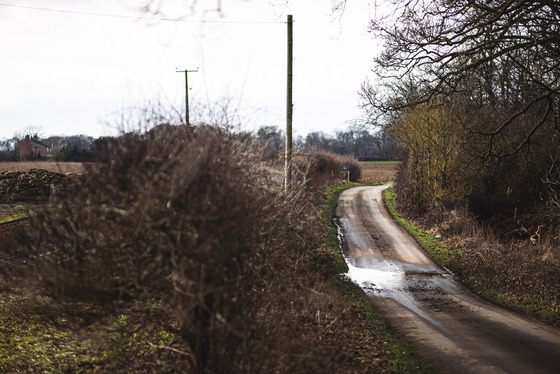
x: 69, y: 66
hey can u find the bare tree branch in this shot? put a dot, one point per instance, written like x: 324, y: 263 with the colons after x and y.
x: 504, y: 53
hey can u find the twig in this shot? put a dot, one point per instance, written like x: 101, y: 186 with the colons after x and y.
x: 334, y: 320
x: 169, y: 348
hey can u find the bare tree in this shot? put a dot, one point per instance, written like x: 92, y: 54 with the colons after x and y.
x: 489, y: 51
x: 31, y: 131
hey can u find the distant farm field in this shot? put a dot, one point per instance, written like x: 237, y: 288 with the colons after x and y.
x: 379, y: 162
x: 377, y: 172
x: 372, y: 172
x: 58, y: 167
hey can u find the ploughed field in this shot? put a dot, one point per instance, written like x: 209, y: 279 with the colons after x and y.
x: 58, y: 167
x: 34, y: 182
x: 25, y: 183
x: 378, y: 172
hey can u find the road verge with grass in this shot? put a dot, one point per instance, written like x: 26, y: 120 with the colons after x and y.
x: 46, y: 334
x: 383, y: 350
x: 12, y: 213
x: 476, y: 272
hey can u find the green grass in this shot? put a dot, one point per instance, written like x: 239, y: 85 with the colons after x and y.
x: 330, y: 199
x: 544, y: 310
x: 36, y: 336
x: 438, y: 250
x: 12, y: 213
x: 515, y: 299
x: 41, y: 334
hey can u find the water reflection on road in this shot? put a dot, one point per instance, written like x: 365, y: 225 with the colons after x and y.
x: 402, y: 282
x: 425, y: 303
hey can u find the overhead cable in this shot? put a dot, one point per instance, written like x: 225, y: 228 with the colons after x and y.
x: 123, y: 16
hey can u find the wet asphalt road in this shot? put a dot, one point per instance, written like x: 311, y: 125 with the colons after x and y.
x: 424, y: 303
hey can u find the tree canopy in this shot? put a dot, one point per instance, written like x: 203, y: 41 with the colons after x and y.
x: 503, y: 54
x: 491, y: 70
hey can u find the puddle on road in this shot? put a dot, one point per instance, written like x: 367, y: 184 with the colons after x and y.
x: 386, y: 277
x: 402, y: 282
x: 390, y: 279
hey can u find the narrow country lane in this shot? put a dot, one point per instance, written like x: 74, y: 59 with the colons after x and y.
x: 458, y: 331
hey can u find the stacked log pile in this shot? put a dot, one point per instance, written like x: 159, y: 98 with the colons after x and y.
x: 30, y: 187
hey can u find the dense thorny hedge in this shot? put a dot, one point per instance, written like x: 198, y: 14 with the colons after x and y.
x: 195, y: 223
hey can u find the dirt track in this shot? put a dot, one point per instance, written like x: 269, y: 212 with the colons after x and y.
x: 456, y: 330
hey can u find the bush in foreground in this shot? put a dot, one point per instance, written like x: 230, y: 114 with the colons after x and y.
x: 194, y: 225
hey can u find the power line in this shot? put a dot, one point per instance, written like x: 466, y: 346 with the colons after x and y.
x: 74, y: 61
x: 123, y: 16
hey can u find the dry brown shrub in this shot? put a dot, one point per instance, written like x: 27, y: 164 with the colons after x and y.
x: 513, y: 264
x: 172, y: 216
x: 318, y: 167
x: 196, y: 224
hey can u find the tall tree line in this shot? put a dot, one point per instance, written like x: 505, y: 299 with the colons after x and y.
x: 355, y: 141
x: 470, y: 89
x: 76, y: 148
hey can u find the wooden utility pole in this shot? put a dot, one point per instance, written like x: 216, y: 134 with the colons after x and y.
x: 289, y: 110
x: 187, y: 121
